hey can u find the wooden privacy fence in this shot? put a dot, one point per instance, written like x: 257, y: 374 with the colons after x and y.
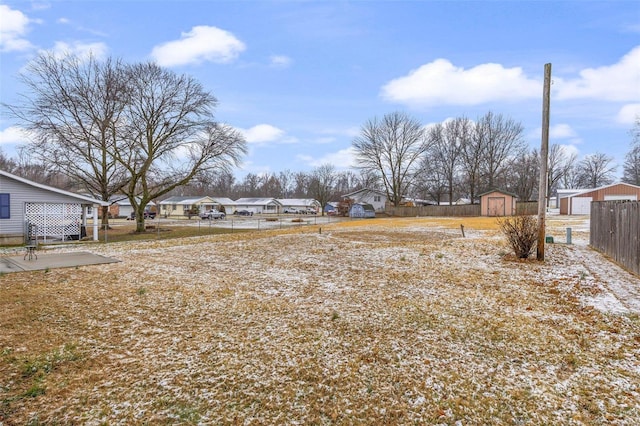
x: 530, y: 208
x: 615, y: 231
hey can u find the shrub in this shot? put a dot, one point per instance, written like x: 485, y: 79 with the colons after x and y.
x: 521, y: 232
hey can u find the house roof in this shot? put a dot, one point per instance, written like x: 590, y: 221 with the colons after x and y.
x: 584, y: 191
x: 364, y: 191
x: 256, y: 201
x: 365, y: 206
x: 79, y: 197
x: 123, y: 200
x: 498, y: 190
x: 191, y: 199
x: 224, y: 201
x: 307, y: 202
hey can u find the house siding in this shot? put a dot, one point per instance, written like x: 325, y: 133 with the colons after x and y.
x: 21, y: 194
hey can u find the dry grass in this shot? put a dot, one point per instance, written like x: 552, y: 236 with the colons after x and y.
x: 386, y: 321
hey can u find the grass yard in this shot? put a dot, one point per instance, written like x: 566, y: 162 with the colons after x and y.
x: 383, y: 321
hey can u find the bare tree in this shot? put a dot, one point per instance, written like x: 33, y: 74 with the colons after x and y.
x: 631, y: 168
x: 471, y: 166
x: 321, y: 184
x: 524, y: 175
x: 631, y: 172
x: 500, y: 140
x: 392, y: 148
x: 7, y: 163
x: 73, y: 110
x: 596, y: 170
x: 447, y: 141
x: 171, y: 136
x: 560, y: 165
x: 301, y: 184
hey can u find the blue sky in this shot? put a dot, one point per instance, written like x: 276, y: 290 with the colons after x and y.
x: 299, y: 78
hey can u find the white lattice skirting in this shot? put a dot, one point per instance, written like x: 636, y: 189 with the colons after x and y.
x: 54, y: 221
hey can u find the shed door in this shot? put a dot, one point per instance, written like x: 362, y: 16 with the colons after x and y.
x: 580, y: 205
x: 496, y: 206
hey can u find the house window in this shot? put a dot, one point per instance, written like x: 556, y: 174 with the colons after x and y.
x: 5, y: 211
x: 377, y: 198
x: 174, y: 207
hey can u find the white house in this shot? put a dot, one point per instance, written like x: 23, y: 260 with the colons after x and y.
x: 258, y: 205
x: 300, y: 203
x: 121, y: 206
x: 378, y: 199
x: 176, y: 205
x: 51, y: 214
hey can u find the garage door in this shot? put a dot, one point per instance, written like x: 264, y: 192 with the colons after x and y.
x: 581, y: 205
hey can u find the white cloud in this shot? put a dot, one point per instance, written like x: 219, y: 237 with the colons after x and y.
x: 13, y: 135
x: 13, y: 28
x: 561, y: 131
x: 618, y: 82
x: 201, y: 44
x: 280, y: 61
x: 440, y: 83
x: 82, y: 50
x: 569, y: 150
x: 628, y: 114
x: 263, y: 134
x: 343, y: 159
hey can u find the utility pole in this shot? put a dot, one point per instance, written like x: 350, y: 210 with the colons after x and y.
x: 544, y: 155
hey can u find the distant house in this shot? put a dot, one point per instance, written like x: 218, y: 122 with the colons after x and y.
x: 497, y: 203
x: 300, y: 203
x: 362, y: 210
x: 183, y: 206
x: 378, y: 199
x: 120, y: 206
x: 258, y: 205
x: 223, y: 204
x: 331, y: 208
x: 578, y: 202
x: 54, y: 215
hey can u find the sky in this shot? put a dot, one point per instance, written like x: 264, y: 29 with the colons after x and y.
x: 300, y: 78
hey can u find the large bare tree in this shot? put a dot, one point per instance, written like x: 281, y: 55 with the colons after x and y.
x: 322, y: 184
x: 501, y: 140
x: 73, y: 109
x: 447, y: 141
x: 392, y: 148
x: 560, y: 164
x: 631, y: 167
x: 171, y: 135
x: 596, y: 170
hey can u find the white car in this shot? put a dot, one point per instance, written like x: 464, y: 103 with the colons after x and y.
x: 291, y: 210
x: 212, y: 214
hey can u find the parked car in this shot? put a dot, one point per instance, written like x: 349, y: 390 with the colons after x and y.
x: 147, y: 215
x: 212, y: 214
x: 309, y: 210
x: 292, y: 210
x: 243, y: 213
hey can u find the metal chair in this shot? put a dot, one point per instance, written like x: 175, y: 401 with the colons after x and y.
x: 31, y: 242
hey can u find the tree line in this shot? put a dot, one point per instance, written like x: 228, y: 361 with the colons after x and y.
x: 109, y: 127
x: 462, y: 158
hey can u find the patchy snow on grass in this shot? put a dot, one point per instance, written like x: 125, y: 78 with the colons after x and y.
x: 386, y: 321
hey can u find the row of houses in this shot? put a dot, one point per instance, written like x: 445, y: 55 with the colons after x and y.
x: 120, y: 206
x: 62, y: 215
